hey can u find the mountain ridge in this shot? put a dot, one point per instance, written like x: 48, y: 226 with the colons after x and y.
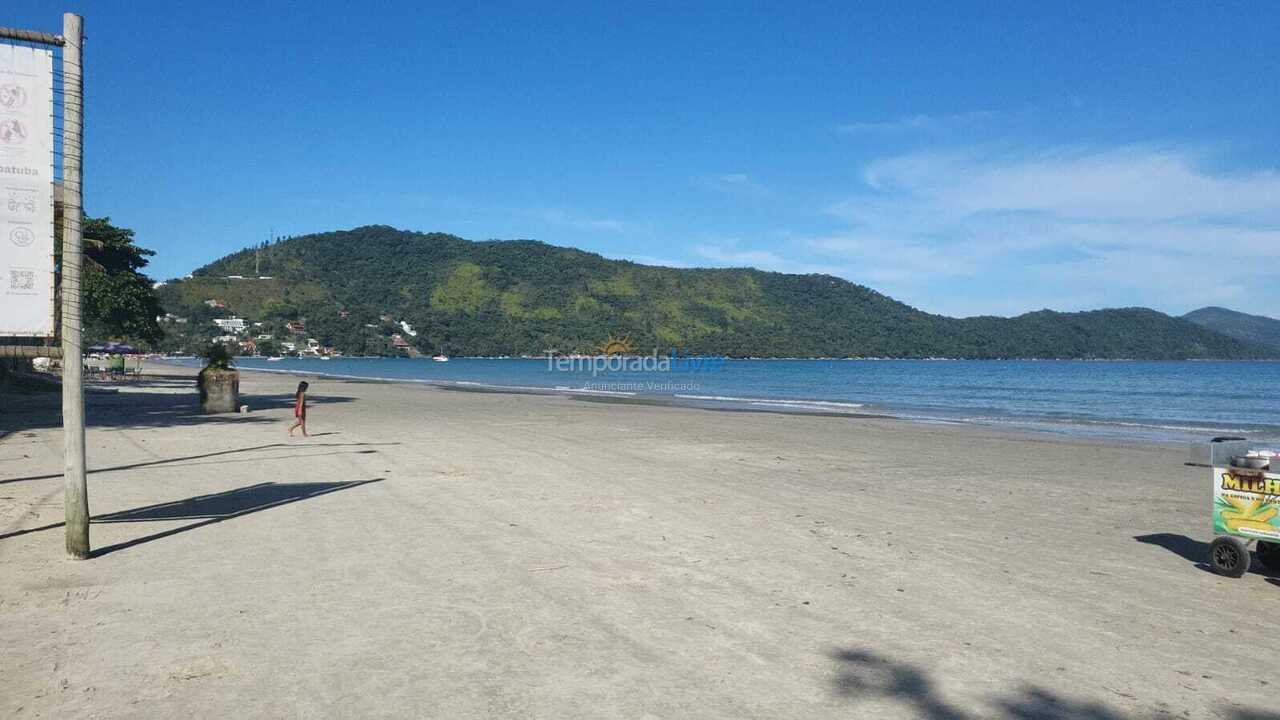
x: 512, y: 297
x: 1255, y: 329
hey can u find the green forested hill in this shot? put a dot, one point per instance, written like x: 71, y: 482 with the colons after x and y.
x: 1256, y: 329
x: 524, y: 297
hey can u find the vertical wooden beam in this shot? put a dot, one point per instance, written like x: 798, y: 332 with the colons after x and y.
x: 77, y: 492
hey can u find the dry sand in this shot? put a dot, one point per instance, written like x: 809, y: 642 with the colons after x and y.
x: 434, y: 553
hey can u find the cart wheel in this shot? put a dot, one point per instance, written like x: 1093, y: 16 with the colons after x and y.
x: 1229, y: 556
x: 1269, y: 554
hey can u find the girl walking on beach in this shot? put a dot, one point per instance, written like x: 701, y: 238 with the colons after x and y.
x: 300, y: 409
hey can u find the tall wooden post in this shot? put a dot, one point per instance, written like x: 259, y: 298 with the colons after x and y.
x: 77, y: 492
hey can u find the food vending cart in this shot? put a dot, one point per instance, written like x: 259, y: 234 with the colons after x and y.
x: 1246, y: 512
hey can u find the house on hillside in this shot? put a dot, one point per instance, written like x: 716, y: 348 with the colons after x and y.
x: 231, y: 324
x: 297, y: 327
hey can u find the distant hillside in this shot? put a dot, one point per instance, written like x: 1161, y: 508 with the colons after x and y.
x: 1255, y: 329
x: 524, y: 297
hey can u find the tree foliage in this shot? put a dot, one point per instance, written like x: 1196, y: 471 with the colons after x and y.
x: 525, y: 297
x: 1257, y: 329
x: 118, y: 301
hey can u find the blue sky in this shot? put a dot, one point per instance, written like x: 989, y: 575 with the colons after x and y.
x: 966, y: 160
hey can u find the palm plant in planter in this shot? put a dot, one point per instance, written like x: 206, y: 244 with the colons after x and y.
x: 219, y: 381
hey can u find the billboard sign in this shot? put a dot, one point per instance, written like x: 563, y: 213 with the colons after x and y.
x: 26, y: 191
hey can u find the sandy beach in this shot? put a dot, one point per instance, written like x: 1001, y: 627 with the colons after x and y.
x: 438, y: 553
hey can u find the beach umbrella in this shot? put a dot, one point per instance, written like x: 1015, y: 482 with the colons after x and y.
x: 114, y: 348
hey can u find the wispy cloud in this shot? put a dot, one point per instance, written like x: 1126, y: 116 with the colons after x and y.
x: 579, y: 222
x: 1013, y: 230
x: 917, y: 123
x: 729, y: 253
x: 654, y: 260
x: 732, y: 184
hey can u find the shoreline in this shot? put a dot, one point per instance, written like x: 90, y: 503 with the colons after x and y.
x: 1168, y: 433
x: 1012, y: 430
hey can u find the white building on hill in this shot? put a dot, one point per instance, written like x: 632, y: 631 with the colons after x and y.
x: 231, y: 324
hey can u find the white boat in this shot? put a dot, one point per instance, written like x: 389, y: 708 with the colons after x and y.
x: 274, y: 359
x: 440, y: 358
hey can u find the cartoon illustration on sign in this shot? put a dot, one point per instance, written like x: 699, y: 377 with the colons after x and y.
x: 12, y: 96
x: 22, y: 237
x: 13, y: 132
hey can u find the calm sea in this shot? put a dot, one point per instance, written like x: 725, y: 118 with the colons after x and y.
x: 1167, y: 401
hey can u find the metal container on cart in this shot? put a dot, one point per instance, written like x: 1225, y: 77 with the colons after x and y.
x: 1246, y: 512
x: 1217, y: 451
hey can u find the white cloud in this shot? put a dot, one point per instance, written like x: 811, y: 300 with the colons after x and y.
x: 732, y: 184
x: 654, y: 260
x: 561, y: 217
x: 917, y: 123
x: 1127, y: 183
x: 969, y: 230
x: 729, y: 254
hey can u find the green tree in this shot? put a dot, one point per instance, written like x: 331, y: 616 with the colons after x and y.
x: 117, y: 299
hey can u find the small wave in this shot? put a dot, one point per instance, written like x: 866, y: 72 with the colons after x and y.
x: 534, y: 388
x: 1067, y: 419
x: 1158, y: 426
x: 771, y: 401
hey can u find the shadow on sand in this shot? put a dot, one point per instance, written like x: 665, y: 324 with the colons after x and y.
x: 208, y: 509
x: 223, y: 459
x: 1195, y: 551
x: 113, y: 406
x: 862, y: 675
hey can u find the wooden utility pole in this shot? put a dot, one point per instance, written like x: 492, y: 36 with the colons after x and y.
x: 77, y: 491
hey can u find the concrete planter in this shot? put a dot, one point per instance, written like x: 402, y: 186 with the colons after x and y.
x: 219, y: 390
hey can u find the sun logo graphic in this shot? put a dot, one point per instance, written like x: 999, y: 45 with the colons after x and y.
x: 616, y: 346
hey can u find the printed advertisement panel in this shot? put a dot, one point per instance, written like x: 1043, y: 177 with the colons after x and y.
x: 26, y: 191
x: 1246, y: 503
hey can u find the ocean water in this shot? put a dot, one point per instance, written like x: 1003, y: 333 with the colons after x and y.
x: 1163, y: 401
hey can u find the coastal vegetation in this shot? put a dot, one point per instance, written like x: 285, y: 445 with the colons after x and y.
x: 354, y: 290
x: 1255, y: 329
x: 118, y: 300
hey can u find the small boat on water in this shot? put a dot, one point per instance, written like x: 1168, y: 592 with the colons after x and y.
x: 274, y: 359
x: 440, y: 358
